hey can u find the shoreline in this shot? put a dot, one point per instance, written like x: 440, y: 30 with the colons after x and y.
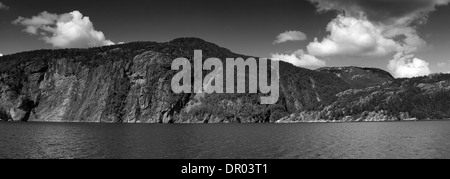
x: 294, y: 122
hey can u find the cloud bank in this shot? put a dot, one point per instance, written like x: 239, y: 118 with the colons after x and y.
x: 374, y: 28
x: 3, y: 6
x: 377, y: 28
x: 70, y: 30
x: 290, y: 36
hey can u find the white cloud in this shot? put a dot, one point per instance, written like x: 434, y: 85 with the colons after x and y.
x: 363, y: 29
x: 70, y: 30
x: 1, y: 55
x: 406, y: 66
x: 372, y: 28
x: 290, y: 36
x: 299, y: 58
x: 350, y: 36
x: 3, y: 6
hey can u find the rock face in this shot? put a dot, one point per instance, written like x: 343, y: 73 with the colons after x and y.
x: 131, y: 83
x: 115, y: 91
x: 135, y: 90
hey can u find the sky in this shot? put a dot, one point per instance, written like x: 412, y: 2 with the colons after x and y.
x: 405, y: 37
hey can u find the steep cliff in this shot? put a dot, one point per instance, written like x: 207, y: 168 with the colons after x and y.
x: 131, y: 83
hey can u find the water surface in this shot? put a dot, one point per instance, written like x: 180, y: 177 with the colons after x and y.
x: 428, y: 139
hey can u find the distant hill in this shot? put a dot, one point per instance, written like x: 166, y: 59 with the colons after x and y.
x: 420, y: 98
x: 131, y: 83
x: 358, y: 77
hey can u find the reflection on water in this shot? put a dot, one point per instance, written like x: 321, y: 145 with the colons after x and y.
x: 429, y: 139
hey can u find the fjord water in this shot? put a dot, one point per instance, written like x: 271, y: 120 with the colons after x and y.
x: 428, y: 139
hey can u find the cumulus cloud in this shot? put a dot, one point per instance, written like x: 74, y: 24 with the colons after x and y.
x: 406, y: 66
x: 377, y: 28
x: 299, y: 58
x: 70, y: 30
x: 290, y: 36
x: 353, y: 37
x: 353, y: 33
x: 3, y: 6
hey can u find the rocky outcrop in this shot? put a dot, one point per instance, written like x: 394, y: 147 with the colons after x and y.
x: 136, y: 90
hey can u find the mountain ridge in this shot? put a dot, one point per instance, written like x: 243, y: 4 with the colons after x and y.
x: 130, y: 83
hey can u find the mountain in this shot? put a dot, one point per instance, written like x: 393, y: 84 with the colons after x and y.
x: 131, y: 83
x: 420, y: 98
x: 360, y: 78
